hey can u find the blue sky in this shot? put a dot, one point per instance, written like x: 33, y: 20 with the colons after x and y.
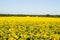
x: 30, y: 7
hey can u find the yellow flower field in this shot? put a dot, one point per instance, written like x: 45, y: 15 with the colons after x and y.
x: 29, y: 28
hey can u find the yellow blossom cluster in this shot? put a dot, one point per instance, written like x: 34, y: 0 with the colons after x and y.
x: 29, y: 28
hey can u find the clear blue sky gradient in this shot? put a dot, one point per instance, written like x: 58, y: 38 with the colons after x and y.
x: 30, y: 6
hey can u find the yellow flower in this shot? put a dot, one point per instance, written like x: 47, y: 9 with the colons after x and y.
x: 14, y: 35
x: 45, y: 36
x: 11, y: 39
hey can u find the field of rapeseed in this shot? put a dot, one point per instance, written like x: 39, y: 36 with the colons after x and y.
x: 29, y: 28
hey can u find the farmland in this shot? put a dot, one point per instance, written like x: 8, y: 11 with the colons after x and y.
x: 29, y: 28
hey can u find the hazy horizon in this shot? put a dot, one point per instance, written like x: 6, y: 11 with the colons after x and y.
x: 31, y: 7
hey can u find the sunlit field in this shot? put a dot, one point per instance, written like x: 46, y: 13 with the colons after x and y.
x: 29, y: 28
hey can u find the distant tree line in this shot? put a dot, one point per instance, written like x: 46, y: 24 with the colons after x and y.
x: 22, y: 15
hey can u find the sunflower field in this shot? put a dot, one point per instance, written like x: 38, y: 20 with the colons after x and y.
x: 29, y: 28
